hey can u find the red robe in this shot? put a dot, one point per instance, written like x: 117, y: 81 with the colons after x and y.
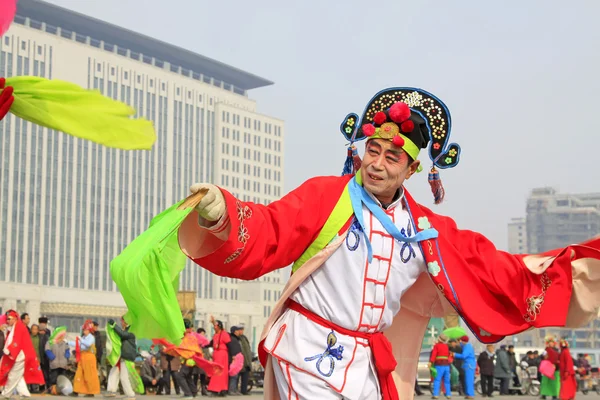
x: 219, y: 383
x: 568, y: 383
x: 21, y: 341
x: 493, y: 291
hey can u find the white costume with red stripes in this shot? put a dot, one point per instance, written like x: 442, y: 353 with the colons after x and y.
x: 354, y: 294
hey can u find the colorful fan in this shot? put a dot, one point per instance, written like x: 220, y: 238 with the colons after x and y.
x: 58, y: 335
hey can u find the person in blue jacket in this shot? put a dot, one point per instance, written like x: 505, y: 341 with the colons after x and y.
x: 469, y: 365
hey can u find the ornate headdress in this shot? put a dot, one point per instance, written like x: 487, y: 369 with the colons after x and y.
x: 410, y: 118
x: 564, y: 343
x: 89, y: 325
x: 12, y: 314
x: 549, y: 339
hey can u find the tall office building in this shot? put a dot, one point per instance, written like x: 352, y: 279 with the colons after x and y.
x: 68, y: 206
x: 556, y: 220
x: 517, y: 236
x: 559, y: 219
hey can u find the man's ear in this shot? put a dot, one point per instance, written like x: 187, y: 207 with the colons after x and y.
x: 413, y: 168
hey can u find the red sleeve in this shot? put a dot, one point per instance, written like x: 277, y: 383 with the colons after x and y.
x: 225, y: 338
x: 433, y: 353
x: 265, y: 238
x: 496, y: 289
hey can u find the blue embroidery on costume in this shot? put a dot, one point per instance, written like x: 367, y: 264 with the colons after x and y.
x: 330, y: 354
x: 406, y: 245
x: 354, y: 231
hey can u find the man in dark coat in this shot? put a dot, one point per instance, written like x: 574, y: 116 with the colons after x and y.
x: 247, y: 351
x: 458, y: 363
x: 44, y: 333
x: 485, y: 361
x: 512, y: 359
x: 502, y: 369
x: 26, y: 320
x: 234, y: 347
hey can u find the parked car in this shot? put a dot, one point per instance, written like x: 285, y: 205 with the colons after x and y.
x: 423, y: 374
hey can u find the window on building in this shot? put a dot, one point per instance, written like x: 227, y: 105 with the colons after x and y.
x: 6, y: 40
x: 125, y: 75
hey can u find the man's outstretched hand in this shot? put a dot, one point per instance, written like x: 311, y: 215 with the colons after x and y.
x: 212, y: 206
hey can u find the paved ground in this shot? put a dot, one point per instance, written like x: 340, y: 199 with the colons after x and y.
x: 258, y: 395
x: 255, y: 395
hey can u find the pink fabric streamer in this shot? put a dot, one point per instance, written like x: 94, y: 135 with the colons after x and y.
x: 8, y: 9
x: 3, y: 319
x: 202, y: 340
x: 236, y: 365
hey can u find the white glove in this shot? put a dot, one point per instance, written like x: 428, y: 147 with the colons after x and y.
x: 6, y: 352
x: 212, y: 206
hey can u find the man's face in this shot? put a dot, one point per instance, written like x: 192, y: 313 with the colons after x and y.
x: 43, y: 326
x: 385, y: 168
x: 34, y: 330
x: 11, y: 321
x: 511, y: 349
x: 26, y: 320
x: 490, y: 348
x: 123, y: 324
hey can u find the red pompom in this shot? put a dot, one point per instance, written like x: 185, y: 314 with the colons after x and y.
x: 407, y: 126
x: 399, y: 112
x: 380, y: 118
x: 368, y: 129
x: 398, y: 141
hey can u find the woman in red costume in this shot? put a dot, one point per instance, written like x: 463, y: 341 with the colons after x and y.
x: 568, y: 384
x: 220, y: 383
x: 19, y: 366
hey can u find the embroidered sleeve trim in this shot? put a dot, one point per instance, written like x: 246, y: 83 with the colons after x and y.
x: 243, y: 213
x: 534, y: 303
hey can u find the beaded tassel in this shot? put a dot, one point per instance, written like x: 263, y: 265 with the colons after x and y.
x: 353, y: 161
x: 436, y: 185
x: 356, y: 159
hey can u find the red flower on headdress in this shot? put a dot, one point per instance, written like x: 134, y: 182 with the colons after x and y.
x: 380, y: 118
x: 399, y: 112
x: 368, y: 129
x: 407, y: 126
x: 398, y: 141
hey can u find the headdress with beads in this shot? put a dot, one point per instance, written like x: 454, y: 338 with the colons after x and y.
x: 88, y: 325
x: 412, y: 119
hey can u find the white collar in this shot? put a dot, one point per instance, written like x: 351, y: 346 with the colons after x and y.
x: 393, y: 204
